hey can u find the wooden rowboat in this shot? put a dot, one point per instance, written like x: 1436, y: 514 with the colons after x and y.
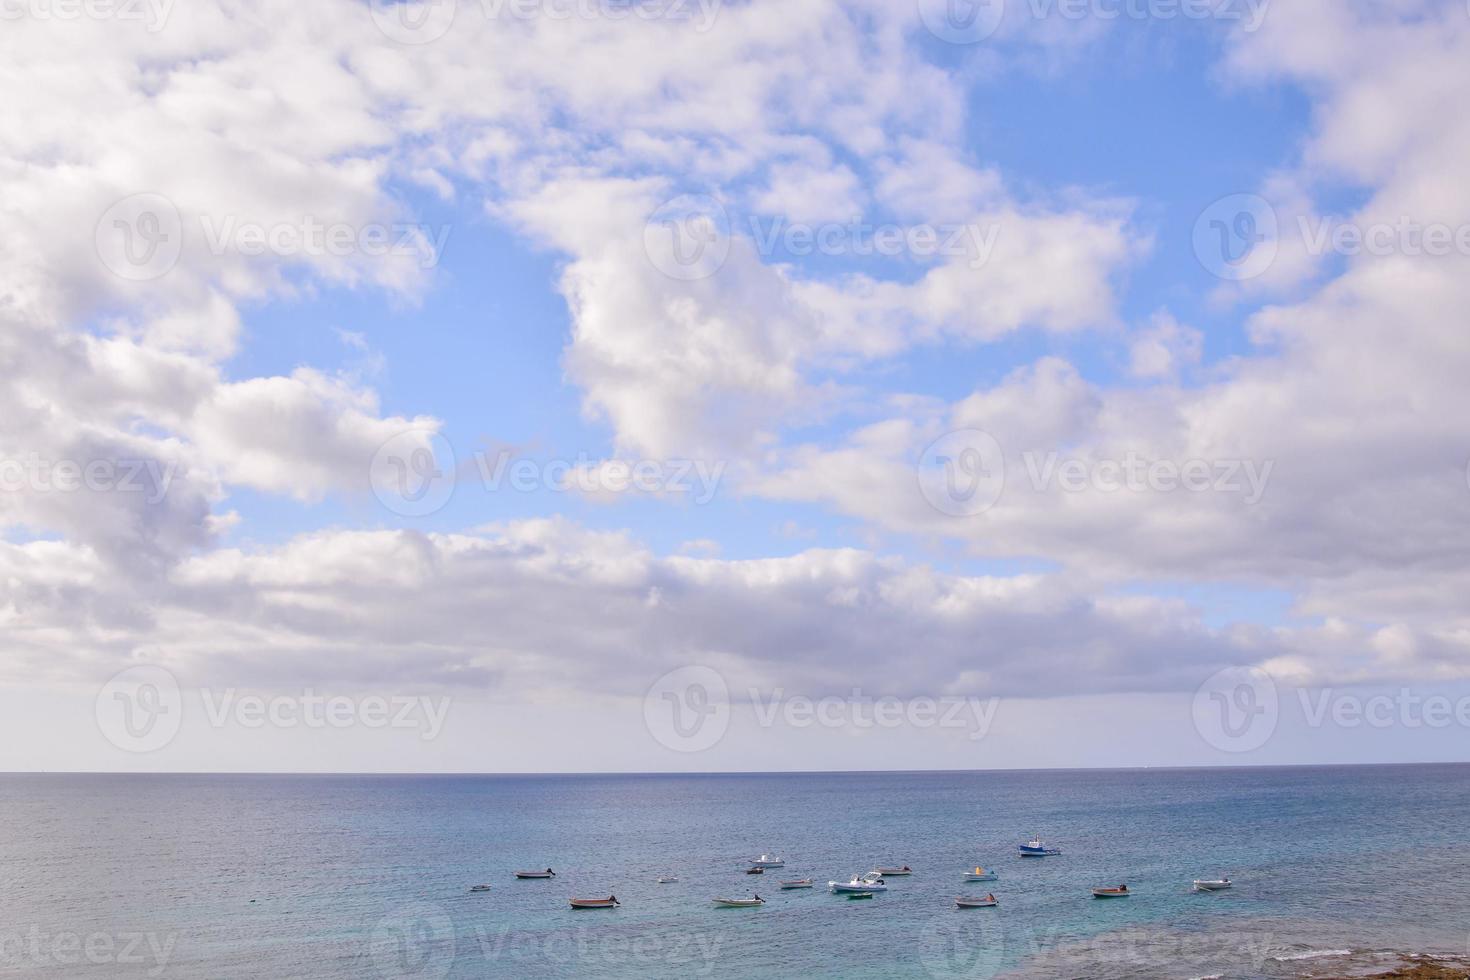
x: 966, y: 902
x: 596, y: 903
x: 893, y: 872
x: 740, y: 903
x: 1212, y: 886
x: 1120, y: 892
x: 548, y: 873
x: 798, y: 883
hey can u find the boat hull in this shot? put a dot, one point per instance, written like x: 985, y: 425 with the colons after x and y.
x: 1109, y: 893
x: 593, y: 903
x: 789, y: 885
x: 739, y: 903
x: 843, y: 887
x: 984, y: 877
x: 1211, y: 886
x: 527, y: 875
x: 975, y: 903
x: 893, y: 872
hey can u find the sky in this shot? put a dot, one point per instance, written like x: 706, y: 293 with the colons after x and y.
x: 645, y: 385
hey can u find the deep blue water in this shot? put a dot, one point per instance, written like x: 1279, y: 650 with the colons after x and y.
x: 364, y: 876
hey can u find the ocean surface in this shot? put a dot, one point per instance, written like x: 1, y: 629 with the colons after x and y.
x: 368, y: 876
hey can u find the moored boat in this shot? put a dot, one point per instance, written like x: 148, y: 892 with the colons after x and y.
x: 755, y: 871
x: 980, y: 874
x: 1120, y: 892
x: 1211, y: 885
x: 741, y: 903
x: 479, y: 888
x: 866, y: 883
x: 797, y: 883
x: 893, y: 872
x: 596, y: 903
x: 971, y: 902
x: 768, y: 861
x: 1036, y: 847
x: 853, y: 895
x: 667, y: 879
x: 548, y: 873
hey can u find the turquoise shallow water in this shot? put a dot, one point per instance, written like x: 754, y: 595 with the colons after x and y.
x: 284, y: 876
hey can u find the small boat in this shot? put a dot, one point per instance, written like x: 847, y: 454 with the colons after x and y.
x: 893, y: 872
x: 548, y: 873
x: 767, y: 861
x: 1120, y: 892
x: 667, y: 880
x: 797, y: 883
x: 596, y: 903
x: 755, y: 871
x: 741, y: 903
x: 867, y: 883
x: 1215, y: 885
x: 970, y: 902
x: 853, y: 895
x: 479, y: 888
x: 980, y: 874
x: 1037, y: 848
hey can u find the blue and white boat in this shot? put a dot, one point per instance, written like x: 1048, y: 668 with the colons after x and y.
x: 1037, y: 848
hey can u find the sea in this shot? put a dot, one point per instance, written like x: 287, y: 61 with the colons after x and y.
x: 225, y: 876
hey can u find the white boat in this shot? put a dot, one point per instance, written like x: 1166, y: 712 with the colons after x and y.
x: 741, y: 903
x: 797, y: 883
x: 548, y: 873
x: 667, y: 880
x: 1120, y: 892
x: 980, y: 874
x: 596, y: 903
x: 892, y: 872
x: 766, y: 861
x: 1215, y: 885
x: 967, y: 902
x: 479, y: 888
x: 866, y: 883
